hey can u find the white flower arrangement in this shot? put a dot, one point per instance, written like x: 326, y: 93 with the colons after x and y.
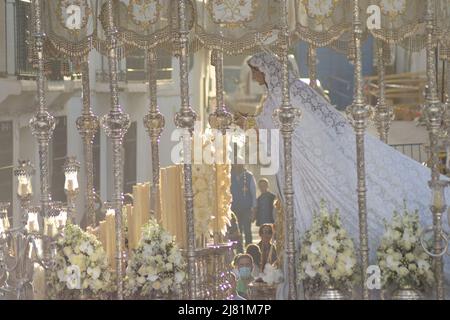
x: 81, y: 269
x: 212, y: 195
x: 401, y: 258
x: 327, y: 253
x: 156, y: 267
x: 204, y: 199
x: 271, y: 275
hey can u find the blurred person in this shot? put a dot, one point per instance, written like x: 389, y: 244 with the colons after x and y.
x: 268, y: 250
x: 234, y: 234
x: 255, y: 252
x: 243, y: 190
x: 244, y: 266
x: 234, y: 295
x: 265, y: 204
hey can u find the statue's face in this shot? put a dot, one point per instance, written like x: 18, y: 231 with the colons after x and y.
x: 258, y: 76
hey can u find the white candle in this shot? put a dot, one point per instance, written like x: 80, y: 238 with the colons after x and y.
x: 32, y: 223
x: 438, y: 200
x: 6, y: 224
x: 71, y: 183
x: 50, y: 227
x: 61, y: 219
x: 24, y: 186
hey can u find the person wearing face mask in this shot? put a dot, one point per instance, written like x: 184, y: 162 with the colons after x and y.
x: 244, y: 265
x: 234, y: 295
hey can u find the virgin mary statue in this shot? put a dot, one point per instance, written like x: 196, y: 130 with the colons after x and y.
x: 324, y: 163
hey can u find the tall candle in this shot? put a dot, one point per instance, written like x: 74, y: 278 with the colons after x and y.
x: 131, y: 237
x: 162, y: 213
x: 137, y: 212
x: 438, y: 200
x: 172, y: 205
x: 111, y: 237
x: 180, y: 218
x: 145, y: 214
x: 217, y: 205
x: 102, y: 233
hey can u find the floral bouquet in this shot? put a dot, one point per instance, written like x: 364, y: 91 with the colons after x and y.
x: 156, y: 267
x: 401, y: 258
x: 328, y: 255
x: 212, y: 195
x: 271, y: 275
x: 81, y: 269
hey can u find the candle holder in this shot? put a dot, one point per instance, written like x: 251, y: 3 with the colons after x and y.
x: 71, y: 168
x: 24, y: 173
x: 23, y: 246
x: 4, y: 219
x: 440, y: 237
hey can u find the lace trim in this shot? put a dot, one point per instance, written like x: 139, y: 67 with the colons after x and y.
x: 271, y: 67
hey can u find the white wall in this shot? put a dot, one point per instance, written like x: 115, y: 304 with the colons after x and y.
x: 134, y: 100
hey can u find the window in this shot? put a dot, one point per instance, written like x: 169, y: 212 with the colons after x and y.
x: 58, y: 153
x: 136, y: 65
x: 129, y: 148
x: 6, y: 163
x: 55, y: 66
x: 23, y: 38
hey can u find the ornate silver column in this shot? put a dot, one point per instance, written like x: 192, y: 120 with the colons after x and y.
x: 185, y: 119
x: 87, y: 125
x: 358, y: 113
x: 116, y: 124
x: 220, y: 119
x: 154, y: 123
x: 287, y: 116
x: 42, y: 124
x: 312, y: 66
x: 434, y: 110
x: 71, y: 168
x: 383, y: 113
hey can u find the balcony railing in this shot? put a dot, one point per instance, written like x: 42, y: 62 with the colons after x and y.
x: 16, y: 44
x: 136, y: 69
x: 416, y: 151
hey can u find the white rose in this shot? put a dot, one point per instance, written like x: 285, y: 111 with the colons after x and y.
x: 94, y: 272
x: 140, y: 280
x: 423, y: 265
x: 179, y: 276
x: 314, y: 248
x: 67, y: 251
x: 391, y: 263
x: 152, y: 277
x: 61, y: 275
x: 309, y: 270
x: 402, y: 271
